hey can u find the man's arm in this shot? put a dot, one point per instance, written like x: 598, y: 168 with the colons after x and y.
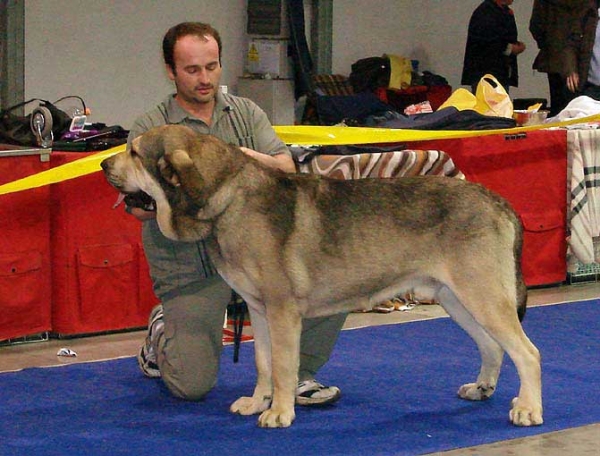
x: 268, y: 147
x: 281, y: 161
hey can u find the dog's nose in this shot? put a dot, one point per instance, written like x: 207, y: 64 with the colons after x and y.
x: 104, y: 164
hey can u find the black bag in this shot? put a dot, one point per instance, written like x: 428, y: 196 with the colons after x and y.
x: 15, y: 129
x: 335, y: 109
x: 370, y: 74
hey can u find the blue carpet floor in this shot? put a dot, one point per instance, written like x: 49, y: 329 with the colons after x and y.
x: 399, y: 387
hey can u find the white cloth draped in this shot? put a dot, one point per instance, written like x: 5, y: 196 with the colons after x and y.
x: 583, y: 196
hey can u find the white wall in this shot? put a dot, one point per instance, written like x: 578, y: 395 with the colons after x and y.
x: 109, y: 51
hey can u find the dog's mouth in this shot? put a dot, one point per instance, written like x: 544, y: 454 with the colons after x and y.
x: 120, y: 200
x: 139, y: 199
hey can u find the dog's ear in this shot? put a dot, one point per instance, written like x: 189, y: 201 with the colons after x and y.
x: 167, y: 171
x: 135, y: 144
x: 178, y: 169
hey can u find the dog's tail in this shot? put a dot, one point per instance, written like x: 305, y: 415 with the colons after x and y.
x: 520, y: 283
x: 521, y: 300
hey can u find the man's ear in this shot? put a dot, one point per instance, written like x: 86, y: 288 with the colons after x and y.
x: 170, y: 72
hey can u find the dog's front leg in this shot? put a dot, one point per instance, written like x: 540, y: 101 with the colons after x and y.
x: 261, y: 398
x: 285, y: 327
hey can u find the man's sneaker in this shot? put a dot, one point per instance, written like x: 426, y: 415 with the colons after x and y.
x: 312, y: 393
x: 147, y: 356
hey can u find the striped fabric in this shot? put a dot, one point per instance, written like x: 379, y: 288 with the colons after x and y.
x: 583, y: 197
x: 332, y: 84
x: 383, y: 164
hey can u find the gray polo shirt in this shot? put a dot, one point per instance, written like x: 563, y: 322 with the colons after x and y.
x: 235, y: 120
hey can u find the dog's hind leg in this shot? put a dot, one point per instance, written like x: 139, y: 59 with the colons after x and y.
x: 494, y: 312
x: 491, y: 352
x: 527, y: 407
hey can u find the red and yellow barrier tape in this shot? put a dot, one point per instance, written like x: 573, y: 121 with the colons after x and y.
x: 302, y: 135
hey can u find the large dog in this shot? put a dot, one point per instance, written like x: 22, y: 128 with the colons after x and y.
x: 297, y: 246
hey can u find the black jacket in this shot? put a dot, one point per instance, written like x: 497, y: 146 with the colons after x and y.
x: 491, y: 29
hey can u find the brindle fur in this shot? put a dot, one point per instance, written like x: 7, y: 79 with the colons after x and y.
x: 299, y: 246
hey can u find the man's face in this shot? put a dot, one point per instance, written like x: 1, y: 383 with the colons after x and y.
x: 197, y: 69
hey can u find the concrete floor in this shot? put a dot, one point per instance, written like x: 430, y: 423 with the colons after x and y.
x: 571, y: 442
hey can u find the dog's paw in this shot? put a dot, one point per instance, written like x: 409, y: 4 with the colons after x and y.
x: 276, y: 418
x: 250, y: 405
x: 523, y: 414
x: 476, y: 391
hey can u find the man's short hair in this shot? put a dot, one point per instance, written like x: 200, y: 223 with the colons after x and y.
x: 178, y: 31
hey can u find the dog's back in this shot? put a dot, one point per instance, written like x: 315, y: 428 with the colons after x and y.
x: 375, y: 238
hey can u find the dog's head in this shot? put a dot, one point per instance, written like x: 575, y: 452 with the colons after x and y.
x: 182, y: 171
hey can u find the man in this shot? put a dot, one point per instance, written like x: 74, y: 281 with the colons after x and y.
x: 565, y: 32
x: 184, y: 339
x: 492, y: 45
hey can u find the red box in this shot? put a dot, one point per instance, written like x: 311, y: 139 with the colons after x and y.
x: 100, y: 278
x: 25, y: 292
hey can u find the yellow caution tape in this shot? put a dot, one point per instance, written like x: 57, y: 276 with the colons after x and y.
x: 302, y: 135
x: 77, y: 168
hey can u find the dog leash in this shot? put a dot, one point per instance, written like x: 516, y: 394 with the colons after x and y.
x: 237, y: 308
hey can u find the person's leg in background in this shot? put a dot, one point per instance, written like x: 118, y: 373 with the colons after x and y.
x: 185, y: 332
x: 189, y: 347
x: 318, y: 339
x: 560, y: 96
x: 189, y: 351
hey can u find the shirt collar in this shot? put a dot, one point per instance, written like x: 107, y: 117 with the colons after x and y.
x: 177, y: 114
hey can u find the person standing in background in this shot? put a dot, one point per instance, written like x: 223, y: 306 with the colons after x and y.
x: 492, y: 45
x: 565, y: 32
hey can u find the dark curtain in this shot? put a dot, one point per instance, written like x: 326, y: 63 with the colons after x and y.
x: 3, y: 49
x: 300, y: 53
x: 12, y: 39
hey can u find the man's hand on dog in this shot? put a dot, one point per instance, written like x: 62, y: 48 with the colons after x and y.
x: 282, y: 162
